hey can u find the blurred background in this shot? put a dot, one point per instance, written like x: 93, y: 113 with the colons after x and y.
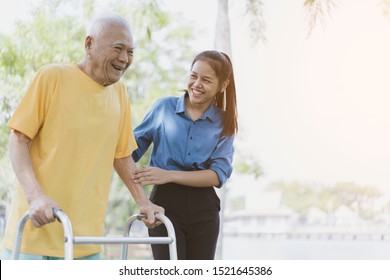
x: 311, y: 169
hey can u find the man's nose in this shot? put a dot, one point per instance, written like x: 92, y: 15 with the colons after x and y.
x: 124, y: 57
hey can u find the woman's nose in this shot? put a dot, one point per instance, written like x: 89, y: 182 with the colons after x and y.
x: 198, y: 83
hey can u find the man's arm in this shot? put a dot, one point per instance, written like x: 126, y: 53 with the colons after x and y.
x: 125, y: 167
x: 41, y: 206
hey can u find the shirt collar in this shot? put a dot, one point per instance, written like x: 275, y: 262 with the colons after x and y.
x: 211, y: 112
x: 181, y: 106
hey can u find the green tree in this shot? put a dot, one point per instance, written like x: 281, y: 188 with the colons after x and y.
x: 300, y: 197
x: 359, y: 198
x: 295, y: 195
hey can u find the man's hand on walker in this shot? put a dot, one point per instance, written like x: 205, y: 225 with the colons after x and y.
x: 150, y: 210
x: 41, y: 210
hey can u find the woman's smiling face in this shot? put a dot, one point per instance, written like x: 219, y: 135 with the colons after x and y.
x: 203, y: 84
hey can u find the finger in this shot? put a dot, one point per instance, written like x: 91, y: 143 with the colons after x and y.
x: 158, y: 222
x: 36, y: 221
x: 49, y: 215
x: 138, y: 174
x: 145, y: 171
x: 160, y: 210
x: 147, y: 220
x: 151, y: 218
x: 142, y: 176
x: 36, y: 224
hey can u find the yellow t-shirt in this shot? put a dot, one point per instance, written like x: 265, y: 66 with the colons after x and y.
x: 78, y: 127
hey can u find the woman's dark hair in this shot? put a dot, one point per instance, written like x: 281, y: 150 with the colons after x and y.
x: 223, y: 68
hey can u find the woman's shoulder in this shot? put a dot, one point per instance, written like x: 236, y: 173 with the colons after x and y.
x: 166, y: 101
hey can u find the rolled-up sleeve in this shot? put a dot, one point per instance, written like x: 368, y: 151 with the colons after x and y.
x: 221, y: 160
x: 143, y: 137
x: 144, y: 132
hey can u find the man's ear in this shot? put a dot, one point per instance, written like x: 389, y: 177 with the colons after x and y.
x: 88, y: 43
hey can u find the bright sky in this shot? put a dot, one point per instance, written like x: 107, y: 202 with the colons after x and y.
x: 311, y: 109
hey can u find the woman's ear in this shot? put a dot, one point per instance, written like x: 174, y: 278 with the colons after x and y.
x: 224, y: 85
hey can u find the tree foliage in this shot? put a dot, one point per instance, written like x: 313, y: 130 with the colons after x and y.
x: 256, y: 23
x: 301, y: 197
x: 318, y: 11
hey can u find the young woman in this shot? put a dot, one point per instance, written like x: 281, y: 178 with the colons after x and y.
x: 192, y: 138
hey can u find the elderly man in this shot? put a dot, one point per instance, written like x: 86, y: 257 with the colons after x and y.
x: 70, y: 129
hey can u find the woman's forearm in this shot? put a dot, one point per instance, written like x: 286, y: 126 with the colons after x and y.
x: 149, y: 175
x: 201, y: 178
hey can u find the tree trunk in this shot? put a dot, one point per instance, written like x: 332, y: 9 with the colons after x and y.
x: 222, y: 41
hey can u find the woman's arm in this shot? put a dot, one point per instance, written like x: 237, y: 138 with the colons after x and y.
x: 149, y: 175
x: 215, y: 173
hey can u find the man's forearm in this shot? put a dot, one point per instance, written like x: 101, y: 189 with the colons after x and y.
x: 19, y: 145
x: 124, y: 167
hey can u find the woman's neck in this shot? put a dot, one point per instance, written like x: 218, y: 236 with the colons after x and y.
x: 194, y: 111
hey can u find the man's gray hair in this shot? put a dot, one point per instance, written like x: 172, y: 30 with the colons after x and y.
x: 100, y: 23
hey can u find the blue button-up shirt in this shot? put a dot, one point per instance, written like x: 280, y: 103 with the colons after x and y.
x: 179, y: 143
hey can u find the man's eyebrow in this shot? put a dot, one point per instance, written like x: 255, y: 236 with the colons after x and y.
x: 123, y: 45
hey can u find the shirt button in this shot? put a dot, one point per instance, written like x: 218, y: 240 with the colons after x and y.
x: 189, y: 153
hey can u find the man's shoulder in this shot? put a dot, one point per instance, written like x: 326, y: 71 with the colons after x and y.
x: 56, y: 68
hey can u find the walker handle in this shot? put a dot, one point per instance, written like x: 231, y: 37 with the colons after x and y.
x: 68, y: 234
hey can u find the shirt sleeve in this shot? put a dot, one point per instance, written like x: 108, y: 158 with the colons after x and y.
x: 221, y: 160
x: 144, y: 133
x: 126, y: 141
x: 31, y: 112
